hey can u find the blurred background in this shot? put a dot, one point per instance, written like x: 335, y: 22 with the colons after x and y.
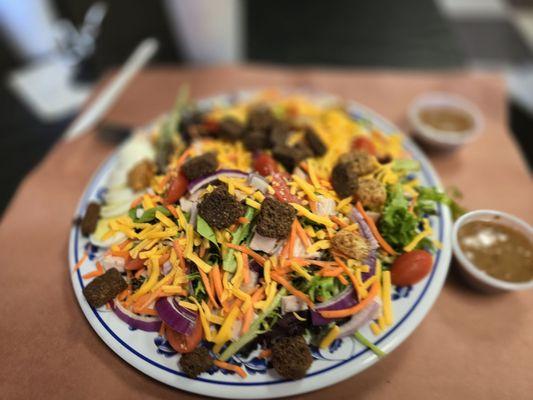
x: 53, y: 52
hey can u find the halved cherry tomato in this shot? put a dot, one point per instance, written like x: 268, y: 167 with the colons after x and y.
x: 265, y: 165
x: 364, y: 144
x: 411, y: 267
x: 176, y: 189
x: 282, y: 190
x: 184, y: 343
x: 134, y: 264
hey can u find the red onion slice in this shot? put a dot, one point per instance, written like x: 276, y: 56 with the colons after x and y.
x: 360, y: 319
x: 175, y: 316
x: 345, y: 299
x: 205, y: 180
x: 146, y: 323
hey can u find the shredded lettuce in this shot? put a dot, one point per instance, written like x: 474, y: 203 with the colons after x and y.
x: 204, y: 230
x: 229, y: 263
x: 397, y: 225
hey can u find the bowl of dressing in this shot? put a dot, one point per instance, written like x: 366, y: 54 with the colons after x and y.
x: 444, y: 121
x: 494, y: 250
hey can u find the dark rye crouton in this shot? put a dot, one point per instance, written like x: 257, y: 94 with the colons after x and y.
x: 261, y: 118
x: 279, y: 133
x: 230, y: 129
x: 104, y: 288
x: 362, y: 162
x: 291, y: 156
x: 90, y: 219
x: 275, y: 219
x: 315, y: 143
x: 199, y: 166
x: 344, y: 179
x: 220, y: 209
x: 196, y: 362
x: 256, y: 140
x: 291, y: 357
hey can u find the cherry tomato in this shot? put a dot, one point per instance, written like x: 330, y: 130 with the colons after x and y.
x: 184, y: 343
x: 411, y: 267
x: 265, y: 165
x: 364, y: 144
x: 282, y: 190
x: 176, y: 189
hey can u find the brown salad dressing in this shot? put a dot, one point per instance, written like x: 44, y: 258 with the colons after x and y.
x: 499, y: 250
x: 447, y: 119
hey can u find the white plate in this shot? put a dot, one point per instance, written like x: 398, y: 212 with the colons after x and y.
x: 150, y: 354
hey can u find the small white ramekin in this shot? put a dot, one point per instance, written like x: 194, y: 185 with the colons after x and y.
x: 436, y: 138
x: 476, y: 277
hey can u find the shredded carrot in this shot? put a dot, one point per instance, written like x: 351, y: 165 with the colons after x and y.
x: 217, y: 281
x: 182, y: 158
x: 172, y: 210
x: 339, y: 221
x: 342, y: 280
x: 140, y: 302
x: 233, y: 228
x: 79, y: 263
x: 122, y: 254
x: 346, y: 312
x: 261, y: 260
x: 92, y: 274
x: 313, y: 206
x: 247, y: 321
x: 281, y: 280
x: 202, y: 251
x: 243, y: 220
x: 331, y: 272
x: 208, y: 288
x: 231, y: 367
x: 372, y: 225
x: 179, y: 252
x: 163, y: 259
x: 139, y: 272
x: 149, y: 300
x: 122, y: 295
x: 301, y: 234
x: 304, y: 166
x: 302, y: 262
x: 266, y: 353
x: 292, y: 239
x: 350, y: 275
x: 245, y: 268
x: 258, y: 294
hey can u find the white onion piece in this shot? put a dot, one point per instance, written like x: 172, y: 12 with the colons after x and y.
x: 263, y: 243
x: 108, y: 261
x: 186, y: 205
x: 325, y: 206
x: 252, y: 282
x: 167, y: 267
x: 292, y: 304
x: 258, y: 182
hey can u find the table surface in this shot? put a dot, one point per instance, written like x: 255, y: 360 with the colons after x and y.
x: 469, y: 346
